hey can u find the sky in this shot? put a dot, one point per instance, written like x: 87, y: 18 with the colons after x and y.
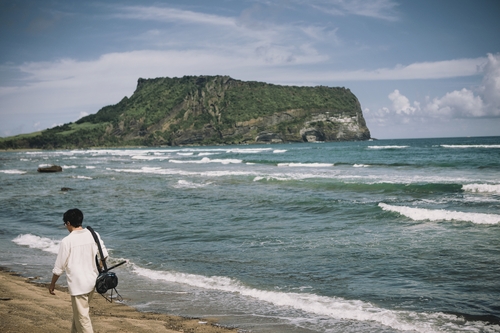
x: 420, y: 69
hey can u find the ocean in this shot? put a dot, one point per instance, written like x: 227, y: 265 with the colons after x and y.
x: 375, y: 236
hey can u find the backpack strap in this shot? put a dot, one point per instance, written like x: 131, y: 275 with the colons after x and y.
x: 103, y: 260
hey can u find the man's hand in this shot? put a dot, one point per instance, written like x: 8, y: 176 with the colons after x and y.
x: 53, y: 284
x: 51, y: 290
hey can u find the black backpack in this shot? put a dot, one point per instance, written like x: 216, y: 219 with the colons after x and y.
x: 106, y: 280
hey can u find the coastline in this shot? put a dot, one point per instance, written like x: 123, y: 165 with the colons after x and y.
x: 27, y: 306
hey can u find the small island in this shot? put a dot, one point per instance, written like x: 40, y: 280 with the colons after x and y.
x: 210, y: 110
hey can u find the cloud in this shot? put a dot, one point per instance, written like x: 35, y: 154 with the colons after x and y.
x: 415, y: 71
x: 458, y: 104
x: 491, y: 83
x: 378, y: 9
x: 166, y: 14
x: 248, y: 35
x: 401, y: 104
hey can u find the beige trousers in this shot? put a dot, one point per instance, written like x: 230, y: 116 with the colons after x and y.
x: 81, y: 315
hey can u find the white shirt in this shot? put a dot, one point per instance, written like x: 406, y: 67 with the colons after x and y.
x: 76, y: 257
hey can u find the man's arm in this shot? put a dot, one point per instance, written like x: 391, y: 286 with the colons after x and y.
x: 53, y: 284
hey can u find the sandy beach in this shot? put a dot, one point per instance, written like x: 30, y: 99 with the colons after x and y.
x: 27, y: 306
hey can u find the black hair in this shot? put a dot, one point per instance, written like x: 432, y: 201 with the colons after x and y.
x: 74, y: 217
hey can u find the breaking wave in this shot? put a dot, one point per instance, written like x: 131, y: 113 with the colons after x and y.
x: 482, y: 188
x: 422, y: 214
x: 37, y: 242
x: 322, y: 306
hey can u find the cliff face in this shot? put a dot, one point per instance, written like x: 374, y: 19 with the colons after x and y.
x: 219, y: 109
x: 203, y: 110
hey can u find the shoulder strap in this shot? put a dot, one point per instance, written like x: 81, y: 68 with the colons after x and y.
x: 103, y: 260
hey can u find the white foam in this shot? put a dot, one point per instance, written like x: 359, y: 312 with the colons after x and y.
x: 207, y: 154
x: 150, y: 157
x: 470, y: 146
x: 36, y: 242
x: 90, y: 167
x: 13, y: 172
x: 81, y: 177
x: 185, y: 154
x: 160, y: 171
x: 322, y: 306
x: 268, y: 178
x: 187, y: 184
x: 420, y: 214
x: 248, y: 150
x: 206, y: 160
x: 69, y: 166
x: 309, y: 165
x: 279, y: 151
x: 387, y: 147
x: 360, y: 166
x: 482, y: 188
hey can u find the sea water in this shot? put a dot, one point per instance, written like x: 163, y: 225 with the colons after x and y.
x: 375, y: 236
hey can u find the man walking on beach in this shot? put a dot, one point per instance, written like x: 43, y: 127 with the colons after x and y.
x: 76, y: 257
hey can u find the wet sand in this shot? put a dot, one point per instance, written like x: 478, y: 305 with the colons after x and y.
x: 27, y: 306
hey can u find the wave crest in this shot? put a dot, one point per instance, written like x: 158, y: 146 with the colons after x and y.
x: 482, y: 188
x: 37, y: 242
x: 420, y: 214
x: 329, y: 306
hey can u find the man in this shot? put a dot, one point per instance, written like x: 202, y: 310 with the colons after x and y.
x: 76, y: 257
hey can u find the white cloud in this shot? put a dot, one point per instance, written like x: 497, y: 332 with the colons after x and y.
x: 401, y: 104
x: 245, y: 35
x: 490, y: 88
x: 166, y: 14
x: 457, y: 104
x: 423, y: 70
x: 379, y: 9
x: 464, y: 103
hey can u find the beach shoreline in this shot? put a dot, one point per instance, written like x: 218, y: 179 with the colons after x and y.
x: 27, y: 306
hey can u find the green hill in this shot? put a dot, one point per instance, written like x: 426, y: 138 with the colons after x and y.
x: 209, y: 110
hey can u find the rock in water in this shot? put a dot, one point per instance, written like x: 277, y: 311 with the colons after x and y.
x: 52, y: 168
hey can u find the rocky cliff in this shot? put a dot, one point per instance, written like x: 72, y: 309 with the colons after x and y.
x: 203, y: 110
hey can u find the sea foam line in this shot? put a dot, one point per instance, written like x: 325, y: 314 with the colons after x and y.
x: 309, y: 165
x: 482, y: 188
x: 205, y: 160
x: 151, y: 157
x: 470, y: 146
x: 187, y: 184
x: 81, y: 177
x: 248, y: 150
x: 37, y: 242
x: 13, y: 172
x: 160, y: 171
x: 387, y: 147
x: 420, y: 214
x: 333, y: 307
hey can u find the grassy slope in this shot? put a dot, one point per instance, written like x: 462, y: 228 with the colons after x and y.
x: 158, y: 99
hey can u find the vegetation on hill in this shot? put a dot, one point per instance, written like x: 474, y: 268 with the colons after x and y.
x: 203, y: 110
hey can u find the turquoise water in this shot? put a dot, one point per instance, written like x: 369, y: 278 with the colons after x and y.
x: 378, y: 236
